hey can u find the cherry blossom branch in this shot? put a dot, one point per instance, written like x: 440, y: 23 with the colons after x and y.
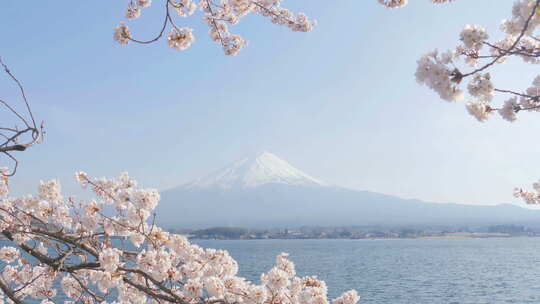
x: 88, y: 265
x: 534, y: 98
x: 14, y: 137
x: 160, y: 34
x: 441, y: 71
x: 57, y: 265
x: 8, y: 292
x: 95, y: 296
x: 521, y: 52
x: 217, y: 17
x: 516, y: 42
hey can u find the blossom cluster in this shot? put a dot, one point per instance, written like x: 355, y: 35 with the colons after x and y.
x: 434, y: 72
x: 181, y: 38
x: 443, y: 72
x: 530, y: 197
x: 401, y: 3
x: 218, y: 17
x: 84, y: 246
x: 473, y: 37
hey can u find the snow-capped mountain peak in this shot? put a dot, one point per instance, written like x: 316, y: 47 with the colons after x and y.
x: 261, y: 169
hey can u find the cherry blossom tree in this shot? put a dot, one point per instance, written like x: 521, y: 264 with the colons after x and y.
x: 81, y: 252
x: 472, y: 60
x: 476, y: 55
x: 444, y: 72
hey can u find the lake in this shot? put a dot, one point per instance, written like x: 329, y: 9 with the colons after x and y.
x: 419, y: 271
x: 493, y: 270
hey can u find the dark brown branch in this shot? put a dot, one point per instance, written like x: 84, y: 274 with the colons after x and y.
x: 8, y: 292
x: 160, y: 34
x: 532, y: 97
x: 86, y: 289
x: 21, y: 88
x: 13, y: 136
x: 150, y: 292
x: 522, y: 51
x: 157, y: 283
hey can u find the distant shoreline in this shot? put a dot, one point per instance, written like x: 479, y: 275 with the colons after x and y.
x: 435, y: 237
x: 362, y: 232
x: 447, y: 237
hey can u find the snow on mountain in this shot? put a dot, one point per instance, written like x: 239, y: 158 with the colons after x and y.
x: 266, y: 191
x: 261, y: 169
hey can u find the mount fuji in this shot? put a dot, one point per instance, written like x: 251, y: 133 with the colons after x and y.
x: 266, y: 191
x: 250, y: 172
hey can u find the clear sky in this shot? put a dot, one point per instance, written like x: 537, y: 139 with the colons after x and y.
x: 341, y: 103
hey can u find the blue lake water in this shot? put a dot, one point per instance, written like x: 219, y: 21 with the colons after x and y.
x: 475, y: 271
x: 505, y: 270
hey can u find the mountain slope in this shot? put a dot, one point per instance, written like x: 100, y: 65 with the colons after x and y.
x: 265, y: 191
x: 264, y: 168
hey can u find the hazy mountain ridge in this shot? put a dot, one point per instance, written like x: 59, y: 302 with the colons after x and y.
x: 265, y: 191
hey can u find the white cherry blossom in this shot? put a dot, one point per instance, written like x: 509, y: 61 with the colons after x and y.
x: 88, y: 258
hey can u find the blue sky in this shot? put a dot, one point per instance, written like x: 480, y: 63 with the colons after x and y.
x: 340, y: 103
